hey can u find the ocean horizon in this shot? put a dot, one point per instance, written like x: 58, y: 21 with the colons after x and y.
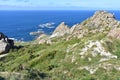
x: 18, y: 24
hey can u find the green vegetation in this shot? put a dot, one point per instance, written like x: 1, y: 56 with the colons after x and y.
x: 53, y: 62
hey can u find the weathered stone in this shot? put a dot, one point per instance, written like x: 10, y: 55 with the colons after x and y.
x: 61, y: 30
x: 101, y: 21
x: 5, y: 43
x: 114, y: 33
x: 43, y: 38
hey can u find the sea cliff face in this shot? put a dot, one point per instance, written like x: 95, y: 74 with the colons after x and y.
x: 86, y: 51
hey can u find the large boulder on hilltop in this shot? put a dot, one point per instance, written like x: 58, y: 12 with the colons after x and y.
x: 5, y: 43
x: 61, y: 30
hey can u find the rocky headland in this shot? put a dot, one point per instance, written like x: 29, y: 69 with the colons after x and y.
x: 100, y: 22
x: 86, y: 51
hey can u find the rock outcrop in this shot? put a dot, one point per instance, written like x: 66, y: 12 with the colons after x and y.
x: 97, y: 48
x: 61, y: 30
x: 43, y: 38
x: 101, y: 21
x: 5, y: 43
x: 114, y: 33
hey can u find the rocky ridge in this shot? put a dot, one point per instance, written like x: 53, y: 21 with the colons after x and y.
x: 102, y: 22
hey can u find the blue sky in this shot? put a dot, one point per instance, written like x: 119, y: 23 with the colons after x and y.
x: 59, y: 4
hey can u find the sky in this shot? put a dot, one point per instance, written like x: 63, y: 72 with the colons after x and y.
x: 59, y: 4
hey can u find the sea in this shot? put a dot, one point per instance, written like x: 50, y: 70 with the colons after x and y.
x: 18, y: 24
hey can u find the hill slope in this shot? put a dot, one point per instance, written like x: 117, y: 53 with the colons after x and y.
x: 87, y: 52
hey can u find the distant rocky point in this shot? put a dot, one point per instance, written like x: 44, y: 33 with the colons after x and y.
x: 36, y: 33
x: 100, y: 22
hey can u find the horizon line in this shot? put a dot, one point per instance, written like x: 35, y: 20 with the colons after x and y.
x: 58, y: 9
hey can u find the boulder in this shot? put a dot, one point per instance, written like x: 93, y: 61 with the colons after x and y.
x: 5, y: 43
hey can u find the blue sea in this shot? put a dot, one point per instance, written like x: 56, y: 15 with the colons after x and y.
x: 18, y: 24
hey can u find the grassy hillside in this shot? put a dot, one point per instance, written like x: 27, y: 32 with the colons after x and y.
x: 87, y: 51
x: 60, y: 61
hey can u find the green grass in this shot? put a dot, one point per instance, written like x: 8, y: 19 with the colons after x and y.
x: 54, y: 63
